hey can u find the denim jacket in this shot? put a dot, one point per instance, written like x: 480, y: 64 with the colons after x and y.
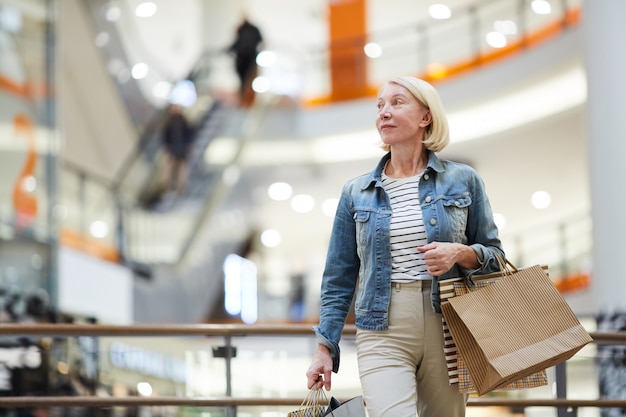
x: 455, y: 209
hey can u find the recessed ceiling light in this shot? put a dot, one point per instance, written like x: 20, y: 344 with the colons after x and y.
x: 99, y: 229
x: 271, y: 238
x: 373, y: 50
x: 302, y: 203
x: 439, y: 11
x: 261, y: 84
x: 541, y: 7
x: 279, y: 191
x: 496, y: 40
x: 146, y: 9
x: 139, y: 71
x: 266, y: 59
x: 506, y: 27
x: 541, y: 199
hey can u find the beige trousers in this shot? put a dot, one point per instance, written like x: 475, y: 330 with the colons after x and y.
x: 403, y: 369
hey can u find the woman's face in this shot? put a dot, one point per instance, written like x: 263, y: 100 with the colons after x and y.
x: 400, y: 117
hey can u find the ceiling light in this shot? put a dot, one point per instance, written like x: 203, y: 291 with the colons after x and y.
x: 541, y: 199
x: 146, y: 9
x: 302, y: 203
x: 496, y: 40
x: 144, y: 389
x: 261, y: 84
x: 279, y: 191
x: 139, y: 71
x: 99, y: 229
x: 271, y: 238
x: 373, y: 50
x: 541, y: 7
x: 439, y: 11
x: 266, y: 59
x: 505, y: 27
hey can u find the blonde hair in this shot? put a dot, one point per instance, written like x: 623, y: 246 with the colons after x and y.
x: 437, y: 134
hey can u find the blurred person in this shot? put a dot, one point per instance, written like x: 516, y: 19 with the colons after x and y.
x: 177, y: 141
x: 415, y: 219
x: 245, y: 48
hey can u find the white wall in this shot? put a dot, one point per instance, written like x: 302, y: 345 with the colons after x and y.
x: 92, y: 287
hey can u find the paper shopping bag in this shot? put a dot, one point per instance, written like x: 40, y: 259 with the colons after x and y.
x: 458, y: 373
x: 512, y: 328
x: 313, y: 405
x: 354, y: 407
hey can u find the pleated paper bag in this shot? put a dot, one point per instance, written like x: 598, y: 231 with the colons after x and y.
x: 458, y: 374
x: 512, y: 328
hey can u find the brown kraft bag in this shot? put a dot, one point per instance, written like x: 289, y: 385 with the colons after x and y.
x: 513, y: 328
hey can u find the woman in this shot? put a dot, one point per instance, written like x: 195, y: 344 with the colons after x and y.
x: 415, y: 219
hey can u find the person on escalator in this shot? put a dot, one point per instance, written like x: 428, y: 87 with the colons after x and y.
x: 245, y: 48
x: 177, y: 141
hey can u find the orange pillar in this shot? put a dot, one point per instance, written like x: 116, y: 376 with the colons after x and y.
x: 348, y: 69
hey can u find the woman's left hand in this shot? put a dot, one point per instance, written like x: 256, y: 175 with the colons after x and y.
x: 440, y: 257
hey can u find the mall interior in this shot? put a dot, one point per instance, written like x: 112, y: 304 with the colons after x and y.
x: 145, y: 267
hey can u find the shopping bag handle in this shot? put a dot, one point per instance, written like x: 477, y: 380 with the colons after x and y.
x: 314, y: 397
x: 506, y: 266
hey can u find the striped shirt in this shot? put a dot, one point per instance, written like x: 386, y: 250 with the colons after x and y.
x: 407, y: 230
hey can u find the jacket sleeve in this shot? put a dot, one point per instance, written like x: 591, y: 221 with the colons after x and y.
x: 339, y: 279
x: 482, y: 232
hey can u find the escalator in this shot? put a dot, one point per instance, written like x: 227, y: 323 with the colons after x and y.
x: 113, y: 168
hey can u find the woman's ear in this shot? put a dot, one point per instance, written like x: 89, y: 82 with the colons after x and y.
x: 427, y: 119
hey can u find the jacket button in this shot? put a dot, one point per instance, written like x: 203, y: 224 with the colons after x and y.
x: 433, y: 222
x: 429, y: 199
x: 426, y: 177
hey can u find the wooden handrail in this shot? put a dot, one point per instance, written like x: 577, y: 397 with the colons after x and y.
x: 160, y: 330
x: 86, y: 401
x: 46, y: 329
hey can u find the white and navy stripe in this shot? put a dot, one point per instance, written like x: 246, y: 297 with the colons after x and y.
x: 407, y: 230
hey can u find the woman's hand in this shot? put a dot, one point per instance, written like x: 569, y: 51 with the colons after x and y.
x: 320, y: 370
x: 440, y: 257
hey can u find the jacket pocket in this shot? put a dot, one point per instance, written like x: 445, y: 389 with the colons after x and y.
x: 456, y: 209
x: 361, y: 218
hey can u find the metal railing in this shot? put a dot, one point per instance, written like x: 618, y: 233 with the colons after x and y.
x: 566, y: 407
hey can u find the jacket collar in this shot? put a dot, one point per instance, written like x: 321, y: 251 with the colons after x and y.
x: 434, y: 163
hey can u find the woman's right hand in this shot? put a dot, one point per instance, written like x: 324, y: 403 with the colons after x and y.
x: 321, y: 368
